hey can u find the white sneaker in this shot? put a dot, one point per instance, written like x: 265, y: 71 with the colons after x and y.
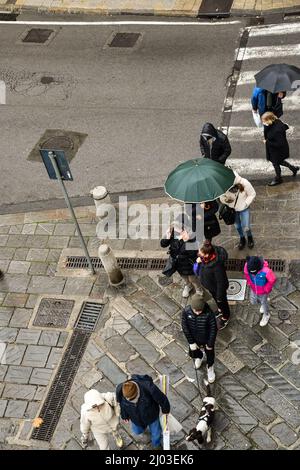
x: 198, y: 362
x: 261, y: 310
x: 186, y: 291
x: 265, y: 319
x: 211, y: 376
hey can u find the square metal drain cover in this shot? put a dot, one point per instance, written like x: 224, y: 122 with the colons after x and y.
x: 38, y: 35
x: 124, y: 39
x: 58, y: 139
x: 236, y: 289
x: 54, y: 313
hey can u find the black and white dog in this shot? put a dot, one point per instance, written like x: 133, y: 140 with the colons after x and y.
x: 203, y: 428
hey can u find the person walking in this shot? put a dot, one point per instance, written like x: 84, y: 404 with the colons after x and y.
x: 211, y: 223
x: 140, y: 402
x: 210, y: 269
x: 200, y: 329
x: 183, y: 258
x: 263, y: 101
x: 261, y: 280
x: 214, y: 143
x: 100, y: 414
x: 240, y: 197
x: 277, y: 147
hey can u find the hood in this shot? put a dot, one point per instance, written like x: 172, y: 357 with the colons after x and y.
x: 93, y: 397
x: 209, y: 130
x: 255, y: 263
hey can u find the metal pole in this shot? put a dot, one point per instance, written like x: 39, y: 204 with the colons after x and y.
x: 68, y: 202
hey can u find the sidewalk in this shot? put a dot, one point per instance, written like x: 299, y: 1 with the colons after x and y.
x: 188, y: 8
x: 257, y: 387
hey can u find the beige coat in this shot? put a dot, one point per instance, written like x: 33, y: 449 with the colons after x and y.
x: 103, y: 419
x: 245, y: 198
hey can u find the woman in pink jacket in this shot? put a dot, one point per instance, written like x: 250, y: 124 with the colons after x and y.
x: 261, y: 280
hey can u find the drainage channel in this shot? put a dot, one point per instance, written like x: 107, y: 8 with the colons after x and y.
x: 157, y: 264
x: 63, y: 380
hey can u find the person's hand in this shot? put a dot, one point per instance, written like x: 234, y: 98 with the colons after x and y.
x: 193, y: 347
x: 168, y: 234
x: 126, y: 421
x: 185, y: 236
x: 208, y: 348
x: 198, y: 260
x: 264, y: 141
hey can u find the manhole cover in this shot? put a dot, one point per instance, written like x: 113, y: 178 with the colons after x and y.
x: 47, y: 80
x: 124, y: 39
x: 54, y: 313
x: 58, y: 139
x: 283, y: 315
x: 38, y: 35
x: 236, y: 289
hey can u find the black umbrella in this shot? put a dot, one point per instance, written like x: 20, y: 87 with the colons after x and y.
x: 278, y: 77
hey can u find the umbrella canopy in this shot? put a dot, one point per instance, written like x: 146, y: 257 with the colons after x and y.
x: 199, y: 180
x: 278, y: 77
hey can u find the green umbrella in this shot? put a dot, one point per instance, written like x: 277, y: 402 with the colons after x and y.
x: 199, y: 180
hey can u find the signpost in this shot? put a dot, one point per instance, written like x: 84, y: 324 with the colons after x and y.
x: 58, y: 168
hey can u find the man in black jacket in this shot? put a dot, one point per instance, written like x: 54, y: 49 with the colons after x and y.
x: 140, y: 400
x: 200, y: 329
x: 214, y: 144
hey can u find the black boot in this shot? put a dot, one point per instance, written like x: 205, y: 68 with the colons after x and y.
x: 250, y: 242
x: 295, y: 170
x: 242, y: 243
x: 275, y: 182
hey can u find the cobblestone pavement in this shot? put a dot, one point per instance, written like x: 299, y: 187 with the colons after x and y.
x: 258, y: 382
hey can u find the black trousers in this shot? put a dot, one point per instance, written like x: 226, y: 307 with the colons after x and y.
x: 224, y: 307
x: 278, y: 169
x: 210, y: 354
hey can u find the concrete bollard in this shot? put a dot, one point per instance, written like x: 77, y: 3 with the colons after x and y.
x: 110, y: 265
x: 100, y: 196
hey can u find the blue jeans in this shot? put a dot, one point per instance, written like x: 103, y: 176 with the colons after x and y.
x: 155, y: 431
x: 242, y: 222
x: 262, y: 299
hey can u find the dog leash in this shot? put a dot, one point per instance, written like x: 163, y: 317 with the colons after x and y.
x: 199, y: 389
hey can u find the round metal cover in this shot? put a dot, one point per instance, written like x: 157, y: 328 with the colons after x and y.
x: 234, y: 287
x: 283, y: 315
x: 58, y: 142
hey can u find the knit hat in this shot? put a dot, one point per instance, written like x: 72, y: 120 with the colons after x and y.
x: 129, y: 390
x: 197, y: 302
x: 254, y: 264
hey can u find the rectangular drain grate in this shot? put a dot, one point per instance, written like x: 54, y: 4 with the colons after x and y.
x: 61, y: 386
x: 38, y: 35
x: 157, y: 264
x: 124, y: 39
x: 88, y: 316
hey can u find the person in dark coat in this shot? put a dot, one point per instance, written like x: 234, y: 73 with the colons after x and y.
x: 210, y: 269
x: 200, y: 329
x: 176, y: 239
x: 211, y: 223
x: 214, y: 144
x: 277, y: 147
x: 140, y: 400
x: 263, y: 101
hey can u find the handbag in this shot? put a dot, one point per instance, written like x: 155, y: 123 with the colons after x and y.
x: 170, y: 267
x: 228, y: 213
x: 257, y: 119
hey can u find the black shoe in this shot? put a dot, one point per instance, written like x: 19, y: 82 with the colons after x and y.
x: 275, y: 182
x: 242, y: 243
x: 295, y: 170
x: 250, y: 242
x: 222, y: 323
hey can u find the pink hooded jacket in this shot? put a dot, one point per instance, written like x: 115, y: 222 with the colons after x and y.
x: 261, y: 282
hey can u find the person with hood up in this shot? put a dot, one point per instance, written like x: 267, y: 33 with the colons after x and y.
x: 100, y: 414
x: 263, y: 101
x: 210, y: 269
x: 140, y: 401
x: 261, y: 280
x: 214, y: 144
x: 240, y: 197
x: 200, y: 329
x: 277, y: 147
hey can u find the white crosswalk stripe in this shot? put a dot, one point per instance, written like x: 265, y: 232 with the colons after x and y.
x: 240, y: 105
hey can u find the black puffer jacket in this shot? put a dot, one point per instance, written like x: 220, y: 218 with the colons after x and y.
x: 220, y: 148
x: 146, y: 410
x: 185, y: 259
x: 213, y: 274
x: 200, y: 329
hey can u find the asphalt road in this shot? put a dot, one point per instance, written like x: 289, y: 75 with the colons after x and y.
x: 141, y: 108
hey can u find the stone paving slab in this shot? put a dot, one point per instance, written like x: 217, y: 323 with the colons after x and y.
x: 284, y: 433
x: 263, y: 440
